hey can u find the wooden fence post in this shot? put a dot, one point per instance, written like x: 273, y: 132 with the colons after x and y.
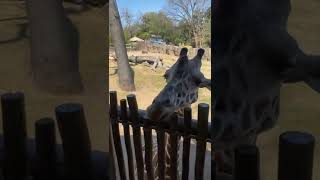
x: 116, y: 133
x: 75, y: 140
x: 173, y: 140
x: 203, y: 113
x: 45, y: 150
x: 213, y: 170
x: 161, y: 150
x: 246, y: 163
x: 15, y: 136
x: 133, y: 106
x: 295, y: 156
x: 186, y: 143
x: 126, y: 129
x: 148, y: 149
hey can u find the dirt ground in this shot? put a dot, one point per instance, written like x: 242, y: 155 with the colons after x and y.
x: 15, y: 72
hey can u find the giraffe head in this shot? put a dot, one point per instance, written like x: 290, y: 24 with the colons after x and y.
x: 253, y: 56
x: 181, y: 89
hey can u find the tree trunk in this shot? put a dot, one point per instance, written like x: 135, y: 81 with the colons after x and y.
x: 54, y: 48
x: 125, y: 73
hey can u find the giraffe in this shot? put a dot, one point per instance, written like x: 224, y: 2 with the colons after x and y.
x: 184, y: 79
x: 253, y: 56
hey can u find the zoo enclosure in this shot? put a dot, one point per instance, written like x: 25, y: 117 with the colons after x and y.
x: 186, y: 128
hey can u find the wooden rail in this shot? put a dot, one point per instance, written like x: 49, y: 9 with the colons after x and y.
x: 176, y: 127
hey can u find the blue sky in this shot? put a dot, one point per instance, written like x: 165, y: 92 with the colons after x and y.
x: 140, y: 6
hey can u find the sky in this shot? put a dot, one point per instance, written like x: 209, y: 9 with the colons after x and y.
x: 140, y: 6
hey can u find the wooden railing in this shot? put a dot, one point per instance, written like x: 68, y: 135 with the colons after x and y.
x: 296, y: 149
x: 175, y: 127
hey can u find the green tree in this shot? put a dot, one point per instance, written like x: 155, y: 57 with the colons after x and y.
x: 157, y: 24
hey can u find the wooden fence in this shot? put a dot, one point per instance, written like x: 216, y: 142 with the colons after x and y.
x: 296, y: 149
x: 42, y: 158
x: 186, y: 128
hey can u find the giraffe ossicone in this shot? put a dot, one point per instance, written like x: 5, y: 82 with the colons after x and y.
x: 253, y: 55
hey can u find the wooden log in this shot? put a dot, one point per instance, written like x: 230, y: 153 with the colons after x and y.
x: 45, y: 150
x: 126, y: 131
x: 75, y: 140
x: 203, y: 113
x: 180, y: 128
x: 116, y: 134
x: 246, y: 163
x: 186, y: 143
x: 173, y: 140
x: 15, y: 136
x: 133, y: 106
x: 141, y: 59
x: 296, y: 151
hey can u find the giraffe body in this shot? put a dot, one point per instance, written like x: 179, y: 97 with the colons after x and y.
x: 253, y: 56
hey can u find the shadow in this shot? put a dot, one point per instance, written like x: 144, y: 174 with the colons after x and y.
x: 72, y: 10
x: 22, y: 34
x: 114, y: 73
x: 13, y: 19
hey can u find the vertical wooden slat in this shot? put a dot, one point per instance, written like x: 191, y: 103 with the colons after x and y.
x: 161, y: 152
x: 246, y: 163
x: 203, y: 113
x: 296, y: 151
x: 126, y: 129
x: 133, y: 106
x: 116, y: 133
x: 45, y: 149
x: 75, y: 140
x: 173, y: 140
x: 14, y: 133
x: 213, y: 170
x: 112, y: 172
x: 148, y: 149
x: 186, y: 143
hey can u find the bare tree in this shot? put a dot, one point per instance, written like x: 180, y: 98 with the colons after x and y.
x: 125, y: 73
x: 193, y: 13
x: 128, y: 18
